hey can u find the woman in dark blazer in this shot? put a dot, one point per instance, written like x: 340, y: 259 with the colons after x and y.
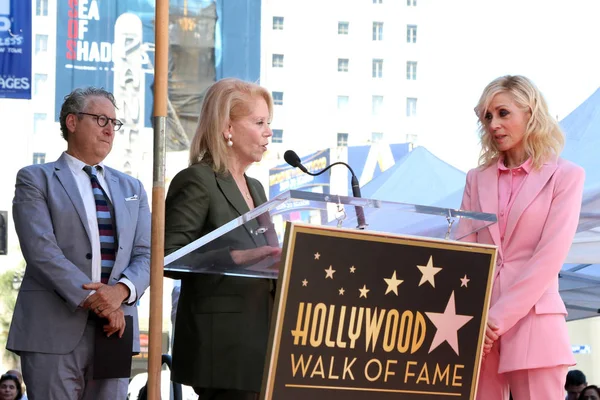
x: 222, y: 322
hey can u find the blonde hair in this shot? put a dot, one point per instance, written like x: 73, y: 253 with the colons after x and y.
x: 225, y: 101
x: 543, y: 137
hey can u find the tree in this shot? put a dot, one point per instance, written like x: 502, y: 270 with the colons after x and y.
x: 10, y: 282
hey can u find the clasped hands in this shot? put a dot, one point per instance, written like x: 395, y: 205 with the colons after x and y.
x: 491, y: 336
x: 106, y: 303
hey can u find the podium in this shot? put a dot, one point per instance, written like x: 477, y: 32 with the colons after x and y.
x: 395, y: 309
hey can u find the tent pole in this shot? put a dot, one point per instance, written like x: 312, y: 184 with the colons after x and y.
x: 158, y: 197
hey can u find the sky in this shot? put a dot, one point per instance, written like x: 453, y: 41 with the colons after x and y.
x: 466, y: 44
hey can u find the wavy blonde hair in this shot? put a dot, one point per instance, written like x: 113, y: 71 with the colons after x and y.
x: 543, y: 137
x: 225, y: 101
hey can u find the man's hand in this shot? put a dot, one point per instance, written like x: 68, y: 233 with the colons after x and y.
x: 116, y: 323
x: 107, y: 299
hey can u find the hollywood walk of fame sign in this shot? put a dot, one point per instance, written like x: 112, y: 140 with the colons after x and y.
x: 369, y: 315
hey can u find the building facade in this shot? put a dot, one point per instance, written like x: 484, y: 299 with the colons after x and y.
x: 341, y: 72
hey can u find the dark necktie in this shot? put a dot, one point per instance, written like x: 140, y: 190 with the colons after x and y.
x: 106, y: 225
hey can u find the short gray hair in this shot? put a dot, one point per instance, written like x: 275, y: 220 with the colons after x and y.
x: 76, y: 101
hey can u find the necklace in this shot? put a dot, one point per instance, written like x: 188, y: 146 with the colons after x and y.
x: 245, y: 192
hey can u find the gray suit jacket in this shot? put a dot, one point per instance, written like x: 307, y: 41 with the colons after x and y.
x: 50, y: 221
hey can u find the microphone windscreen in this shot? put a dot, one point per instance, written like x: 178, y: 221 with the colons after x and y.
x: 292, y: 158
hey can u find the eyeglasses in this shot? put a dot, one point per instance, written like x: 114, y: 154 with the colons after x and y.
x: 103, y: 120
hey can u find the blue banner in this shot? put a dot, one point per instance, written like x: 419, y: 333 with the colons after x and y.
x: 15, y: 49
x: 110, y: 44
x: 107, y: 44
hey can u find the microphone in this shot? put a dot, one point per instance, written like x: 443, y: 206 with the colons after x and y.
x: 292, y: 159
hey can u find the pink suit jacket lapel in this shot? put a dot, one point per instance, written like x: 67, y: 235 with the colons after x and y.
x: 534, y: 183
x: 487, y: 190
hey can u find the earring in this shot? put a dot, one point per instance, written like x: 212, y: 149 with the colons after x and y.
x: 230, y: 142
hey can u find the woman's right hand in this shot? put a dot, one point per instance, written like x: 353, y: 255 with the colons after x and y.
x: 252, y: 256
x: 490, y: 337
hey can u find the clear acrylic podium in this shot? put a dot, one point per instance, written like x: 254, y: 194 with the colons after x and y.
x: 269, y: 219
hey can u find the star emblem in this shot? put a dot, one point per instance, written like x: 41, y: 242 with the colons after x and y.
x: 363, y: 291
x: 329, y: 272
x: 317, y: 256
x: 342, y: 291
x: 464, y: 281
x: 428, y: 272
x: 392, y: 284
x: 305, y: 283
x: 447, y: 325
x: 352, y: 269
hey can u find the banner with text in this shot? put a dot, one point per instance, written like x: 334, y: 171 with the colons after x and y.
x: 285, y: 177
x: 365, y: 316
x: 15, y: 49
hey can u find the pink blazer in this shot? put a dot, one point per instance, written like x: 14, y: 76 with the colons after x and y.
x: 525, y: 302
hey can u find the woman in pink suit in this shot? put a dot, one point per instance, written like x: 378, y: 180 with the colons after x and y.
x: 537, y: 197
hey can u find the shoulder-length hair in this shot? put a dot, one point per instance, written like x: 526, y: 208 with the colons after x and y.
x: 225, y: 101
x: 543, y: 137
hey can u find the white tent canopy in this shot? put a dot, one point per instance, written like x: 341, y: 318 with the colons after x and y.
x: 580, y: 279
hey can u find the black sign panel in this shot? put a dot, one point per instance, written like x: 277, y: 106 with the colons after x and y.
x: 365, y: 315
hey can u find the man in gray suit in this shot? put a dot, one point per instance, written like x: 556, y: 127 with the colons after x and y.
x: 84, y: 231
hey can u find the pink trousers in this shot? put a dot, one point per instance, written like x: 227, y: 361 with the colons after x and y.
x: 525, y: 384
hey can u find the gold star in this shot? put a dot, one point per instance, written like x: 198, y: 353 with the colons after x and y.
x: 305, y: 283
x: 393, y: 284
x: 329, y: 272
x: 363, y: 291
x: 428, y: 272
x: 464, y: 281
x: 317, y: 256
x: 341, y: 291
x: 352, y: 269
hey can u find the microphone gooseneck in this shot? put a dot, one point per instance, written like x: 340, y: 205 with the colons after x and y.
x: 292, y: 159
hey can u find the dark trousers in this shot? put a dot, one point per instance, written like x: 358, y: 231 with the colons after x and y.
x: 224, y: 394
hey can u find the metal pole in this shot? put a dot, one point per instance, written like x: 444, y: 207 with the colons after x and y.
x: 161, y: 36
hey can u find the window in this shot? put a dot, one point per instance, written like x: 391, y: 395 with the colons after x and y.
x: 277, y: 23
x: 277, y: 60
x: 38, y: 122
x: 411, y: 34
x: 278, y: 98
x: 342, y: 103
x: 377, y: 105
x: 41, y: 8
x: 343, y: 64
x: 343, y: 28
x: 376, y: 137
x: 411, y: 70
x: 377, y: 68
x: 342, y: 140
x: 411, y: 107
x: 277, y: 136
x: 41, y: 44
x: 39, y: 83
x: 377, y: 30
x: 411, y: 3
x: 39, y: 158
